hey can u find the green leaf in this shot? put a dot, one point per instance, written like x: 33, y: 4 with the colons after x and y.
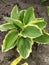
x: 31, y: 31
x: 43, y: 39
x: 36, y: 20
x: 21, y: 15
x: 6, y: 26
x: 14, y: 21
x: 43, y: 1
x: 29, y: 14
x: 18, y: 23
x: 24, y: 47
x: 41, y: 25
x: 39, y: 22
x: 8, y: 20
x: 14, y: 13
x: 48, y: 10
x: 9, y: 41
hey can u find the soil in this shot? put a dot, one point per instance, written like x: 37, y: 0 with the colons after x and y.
x: 40, y: 53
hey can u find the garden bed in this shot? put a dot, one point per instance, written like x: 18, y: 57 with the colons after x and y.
x: 40, y: 53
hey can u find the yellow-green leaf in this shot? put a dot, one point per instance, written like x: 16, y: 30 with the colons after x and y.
x: 21, y: 15
x: 14, y: 12
x: 29, y: 15
x: 14, y: 21
x: 39, y: 22
x: 41, y: 25
x: 32, y: 31
x: 43, y: 39
x: 24, y: 47
x: 6, y: 26
x: 8, y: 19
x: 18, y: 23
x: 9, y: 40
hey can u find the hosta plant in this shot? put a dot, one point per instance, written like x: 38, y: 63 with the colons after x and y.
x: 23, y: 30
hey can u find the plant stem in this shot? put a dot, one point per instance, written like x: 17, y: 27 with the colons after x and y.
x: 16, y: 61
